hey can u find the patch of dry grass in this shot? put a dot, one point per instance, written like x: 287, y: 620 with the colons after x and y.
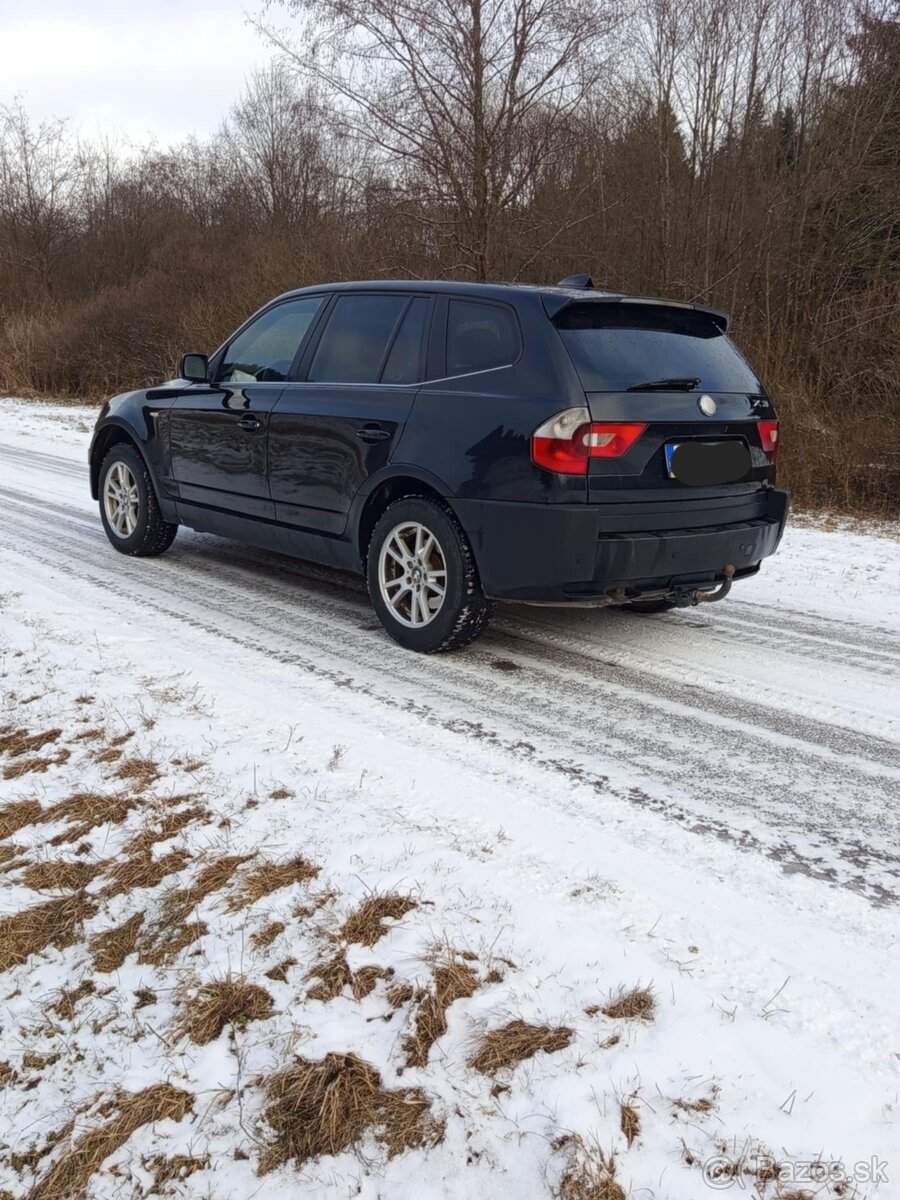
x: 400, y: 993
x: 326, y: 1107
x: 85, y: 811
x: 10, y: 851
x: 267, y: 877
x: 60, y: 876
x: 635, y: 1004
x: 515, y: 1042
x: 88, y: 735
x: 178, y: 905
x: 629, y: 1122
x: 36, y: 764
x: 266, y: 936
x: 279, y: 973
x: 110, y: 949
x: 32, y: 1061
x: 178, y: 1167
x: 69, y: 1176
x: 365, y: 979
x: 334, y: 975
x: 142, y: 870
x: 590, y: 1176
x: 141, y: 773
x: 17, y: 815
x: 54, y: 923
x: 110, y: 754
x: 167, y: 940
x: 19, y: 742
x: 453, y: 980
x: 205, y: 1012
x: 169, y: 826
x: 64, y: 1007
x: 702, y: 1106
x: 368, y: 924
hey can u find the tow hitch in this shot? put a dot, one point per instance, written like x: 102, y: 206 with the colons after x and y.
x: 686, y: 598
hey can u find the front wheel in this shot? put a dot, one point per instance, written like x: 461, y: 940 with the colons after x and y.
x: 128, y: 505
x: 422, y: 578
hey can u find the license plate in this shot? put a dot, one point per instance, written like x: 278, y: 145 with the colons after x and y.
x: 706, y: 464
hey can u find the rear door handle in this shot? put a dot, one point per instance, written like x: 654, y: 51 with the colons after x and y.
x: 250, y: 423
x: 373, y: 433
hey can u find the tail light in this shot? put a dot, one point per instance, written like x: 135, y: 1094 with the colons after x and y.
x: 567, y: 442
x: 768, y: 436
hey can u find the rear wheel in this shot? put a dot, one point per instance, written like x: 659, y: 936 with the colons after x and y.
x: 422, y: 578
x: 128, y: 505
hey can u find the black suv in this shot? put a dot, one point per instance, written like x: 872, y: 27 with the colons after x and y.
x: 459, y: 444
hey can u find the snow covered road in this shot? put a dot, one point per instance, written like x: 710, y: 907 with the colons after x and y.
x: 769, y: 727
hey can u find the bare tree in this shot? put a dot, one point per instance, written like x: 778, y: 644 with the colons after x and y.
x: 272, y: 140
x: 465, y: 99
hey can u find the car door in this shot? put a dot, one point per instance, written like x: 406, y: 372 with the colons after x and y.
x: 339, y: 422
x: 218, y: 433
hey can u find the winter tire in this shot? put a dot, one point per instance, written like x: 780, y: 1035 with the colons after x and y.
x: 422, y: 578
x: 128, y: 505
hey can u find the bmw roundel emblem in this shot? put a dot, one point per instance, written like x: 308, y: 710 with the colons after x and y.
x: 707, y: 406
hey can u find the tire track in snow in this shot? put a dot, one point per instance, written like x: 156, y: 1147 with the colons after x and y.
x: 468, y: 685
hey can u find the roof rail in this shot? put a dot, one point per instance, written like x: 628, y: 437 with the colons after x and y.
x: 576, y: 281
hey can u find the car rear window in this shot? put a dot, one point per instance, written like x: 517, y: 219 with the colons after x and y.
x: 617, y: 346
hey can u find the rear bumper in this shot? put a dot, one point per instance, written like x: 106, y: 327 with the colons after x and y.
x: 559, y: 554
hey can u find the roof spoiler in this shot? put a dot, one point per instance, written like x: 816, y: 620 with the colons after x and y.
x: 554, y: 302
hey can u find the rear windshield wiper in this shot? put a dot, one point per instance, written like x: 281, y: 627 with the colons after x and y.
x: 666, y: 385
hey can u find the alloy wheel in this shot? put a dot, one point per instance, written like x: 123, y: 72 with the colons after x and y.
x: 412, y: 574
x: 121, y: 500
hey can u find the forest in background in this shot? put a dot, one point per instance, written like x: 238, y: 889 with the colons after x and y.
x: 744, y: 155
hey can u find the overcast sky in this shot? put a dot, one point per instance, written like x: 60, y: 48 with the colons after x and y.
x: 138, y: 68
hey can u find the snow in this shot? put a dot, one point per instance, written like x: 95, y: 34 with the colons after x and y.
x: 705, y: 803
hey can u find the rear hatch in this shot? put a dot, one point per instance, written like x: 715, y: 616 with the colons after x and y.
x: 700, y: 455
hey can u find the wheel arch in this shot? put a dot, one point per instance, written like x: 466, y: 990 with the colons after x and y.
x: 111, y: 435
x: 402, y: 481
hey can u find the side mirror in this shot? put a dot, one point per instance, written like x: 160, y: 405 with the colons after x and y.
x: 195, y: 368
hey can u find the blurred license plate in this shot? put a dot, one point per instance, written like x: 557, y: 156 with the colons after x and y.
x: 706, y: 464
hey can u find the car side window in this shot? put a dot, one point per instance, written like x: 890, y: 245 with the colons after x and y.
x: 264, y: 351
x: 404, y: 363
x: 480, y: 336
x: 356, y: 339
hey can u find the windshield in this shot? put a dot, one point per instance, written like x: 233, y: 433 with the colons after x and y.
x: 619, y: 346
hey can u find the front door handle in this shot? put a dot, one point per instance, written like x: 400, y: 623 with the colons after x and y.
x: 250, y: 423
x: 373, y: 433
